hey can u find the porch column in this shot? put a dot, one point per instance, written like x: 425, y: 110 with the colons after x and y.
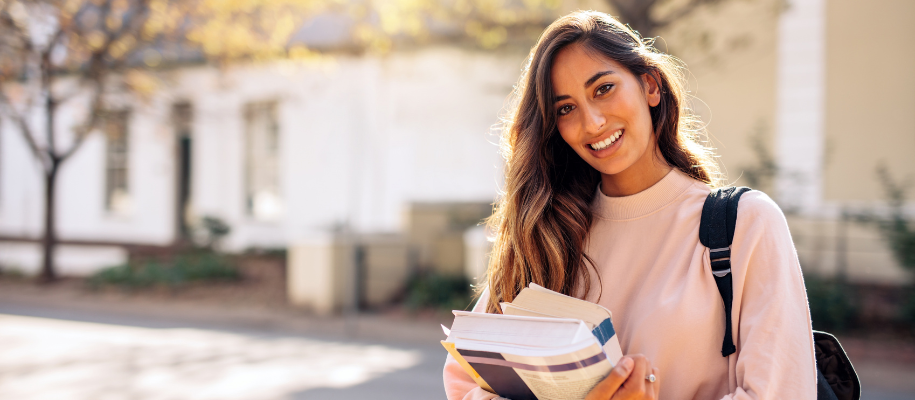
x: 800, y: 136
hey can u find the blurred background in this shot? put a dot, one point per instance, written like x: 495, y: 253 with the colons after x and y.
x: 283, y: 199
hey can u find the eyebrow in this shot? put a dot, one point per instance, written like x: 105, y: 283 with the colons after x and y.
x: 589, y: 82
x: 596, y: 76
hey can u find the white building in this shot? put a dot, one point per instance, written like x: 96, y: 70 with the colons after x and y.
x: 277, y: 151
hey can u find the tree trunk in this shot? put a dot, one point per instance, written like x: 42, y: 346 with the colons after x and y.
x: 48, y: 273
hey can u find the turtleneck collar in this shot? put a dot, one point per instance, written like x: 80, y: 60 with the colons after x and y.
x: 645, y: 202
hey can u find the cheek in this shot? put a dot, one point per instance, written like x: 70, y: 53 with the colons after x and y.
x: 571, y: 138
x: 641, y: 121
x: 567, y: 131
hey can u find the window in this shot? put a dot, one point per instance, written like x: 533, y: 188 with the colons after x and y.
x: 262, y: 181
x: 117, y: 157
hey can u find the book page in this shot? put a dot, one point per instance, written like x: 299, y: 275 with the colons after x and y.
x: 512, y: 309
x: 539, y: 299
x: 566, y: 377
x: 518, y: 330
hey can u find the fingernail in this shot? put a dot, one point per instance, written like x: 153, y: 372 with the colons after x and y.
x: 627, y: 364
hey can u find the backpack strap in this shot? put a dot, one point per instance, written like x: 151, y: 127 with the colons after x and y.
x: 716, y: 231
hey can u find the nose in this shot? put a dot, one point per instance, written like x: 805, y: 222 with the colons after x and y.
x: 594, y: 119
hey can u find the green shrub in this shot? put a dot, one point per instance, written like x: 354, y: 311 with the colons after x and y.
x: 444, y: 292
x: 11, y: 273
x: 185, y: 268
x: 832, y: 304
x: 898, y: 228
x: 907, y: 311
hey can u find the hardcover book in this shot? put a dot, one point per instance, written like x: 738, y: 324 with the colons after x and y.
x: 545, y: 346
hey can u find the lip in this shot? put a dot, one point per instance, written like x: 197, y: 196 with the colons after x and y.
x: 609, y: 149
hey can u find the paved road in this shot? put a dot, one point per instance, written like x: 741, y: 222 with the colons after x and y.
x: 85, y: 350
x: 61, y: 352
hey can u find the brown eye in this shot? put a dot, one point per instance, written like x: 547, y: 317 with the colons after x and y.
x: 604, y: 89
x: 565, y: 109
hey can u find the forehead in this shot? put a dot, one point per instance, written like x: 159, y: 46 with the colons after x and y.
x: 575, y: 64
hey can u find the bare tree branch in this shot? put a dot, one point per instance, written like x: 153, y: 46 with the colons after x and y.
x: 636, y: 13
x: 50, y: 105
x: 134, y: 24
x: 52, y: 44
x: 683, y: 12
x: 639, y: 14
x: 24, y: 128
x: 20, y: 31
x: 93, y: 119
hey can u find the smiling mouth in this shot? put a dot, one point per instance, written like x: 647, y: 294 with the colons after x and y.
x: 603, y: 144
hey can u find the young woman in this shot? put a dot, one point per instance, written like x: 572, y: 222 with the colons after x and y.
x: 604, y: 188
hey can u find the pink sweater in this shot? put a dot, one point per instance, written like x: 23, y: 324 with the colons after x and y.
x: 656, y: 279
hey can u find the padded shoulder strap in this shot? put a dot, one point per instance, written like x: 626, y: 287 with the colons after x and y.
x: 716, y: 231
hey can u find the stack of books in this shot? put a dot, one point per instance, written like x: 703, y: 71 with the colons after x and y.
x: 545, y: 345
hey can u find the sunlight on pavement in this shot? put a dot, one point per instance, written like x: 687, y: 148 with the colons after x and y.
x: 56, y: 359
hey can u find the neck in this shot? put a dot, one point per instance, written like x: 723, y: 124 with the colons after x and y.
x: 642, y: 175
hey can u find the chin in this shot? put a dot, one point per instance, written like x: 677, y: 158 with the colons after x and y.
x: 610, y: 168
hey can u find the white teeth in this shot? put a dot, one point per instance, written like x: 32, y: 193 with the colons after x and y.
x: 606, y: 142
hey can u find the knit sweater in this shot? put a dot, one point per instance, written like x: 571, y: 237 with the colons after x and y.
x: 654, y: 275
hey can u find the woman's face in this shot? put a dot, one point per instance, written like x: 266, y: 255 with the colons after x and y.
x: 602, y: 111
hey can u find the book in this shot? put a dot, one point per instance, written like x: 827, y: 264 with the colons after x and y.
x: 537, y: 300
x: 544, y: 346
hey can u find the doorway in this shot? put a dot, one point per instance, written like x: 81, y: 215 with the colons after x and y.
x: 182, y: 117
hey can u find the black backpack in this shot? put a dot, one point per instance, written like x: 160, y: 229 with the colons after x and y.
x: 836, y: 378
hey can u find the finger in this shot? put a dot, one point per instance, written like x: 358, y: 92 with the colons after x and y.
x: 612, y: 382
x: 656, y: 385
x: 634, y: 386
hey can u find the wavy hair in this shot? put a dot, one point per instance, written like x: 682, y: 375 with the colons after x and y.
x: 542, y: 220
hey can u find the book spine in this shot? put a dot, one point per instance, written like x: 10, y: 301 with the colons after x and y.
x: 607, y: 338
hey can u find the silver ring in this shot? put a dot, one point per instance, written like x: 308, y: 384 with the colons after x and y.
x: 651, y: 378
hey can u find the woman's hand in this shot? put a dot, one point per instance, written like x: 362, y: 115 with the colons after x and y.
x: 627, y: 381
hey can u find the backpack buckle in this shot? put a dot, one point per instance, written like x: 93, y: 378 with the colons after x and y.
x: 720, y: 261
x: 722, y: 273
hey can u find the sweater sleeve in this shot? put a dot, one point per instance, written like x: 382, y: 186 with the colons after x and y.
x: 775, y: 356
x: 459, y: 385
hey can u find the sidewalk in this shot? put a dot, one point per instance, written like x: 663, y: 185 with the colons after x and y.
x: 244, y: 337
x: 395, y: 327
x: 72, y: 347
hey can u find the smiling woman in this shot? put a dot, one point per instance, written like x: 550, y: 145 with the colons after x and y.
x: 610, y: 107
x: 606, y: 178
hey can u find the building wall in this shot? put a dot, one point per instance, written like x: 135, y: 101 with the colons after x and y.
x: 360, y: 139
x: 731, y: 55
x: 798, y: 81
x: 20, y: 185
x: 80, y: 203
x: 870, y: 111
x: 816, y: 81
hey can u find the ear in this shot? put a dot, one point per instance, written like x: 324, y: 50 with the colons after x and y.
x: 652, y: 88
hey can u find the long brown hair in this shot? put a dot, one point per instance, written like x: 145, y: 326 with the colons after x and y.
x: 543, y: 218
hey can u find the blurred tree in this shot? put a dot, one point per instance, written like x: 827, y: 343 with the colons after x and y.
x: 54, y: 52
x: 650, y: 16
x: 493, y: 23
x: 761, y: 173
x: 42, y: 41
x: 899, y: 232
x: 489, y: 24
x: 898, y: 228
